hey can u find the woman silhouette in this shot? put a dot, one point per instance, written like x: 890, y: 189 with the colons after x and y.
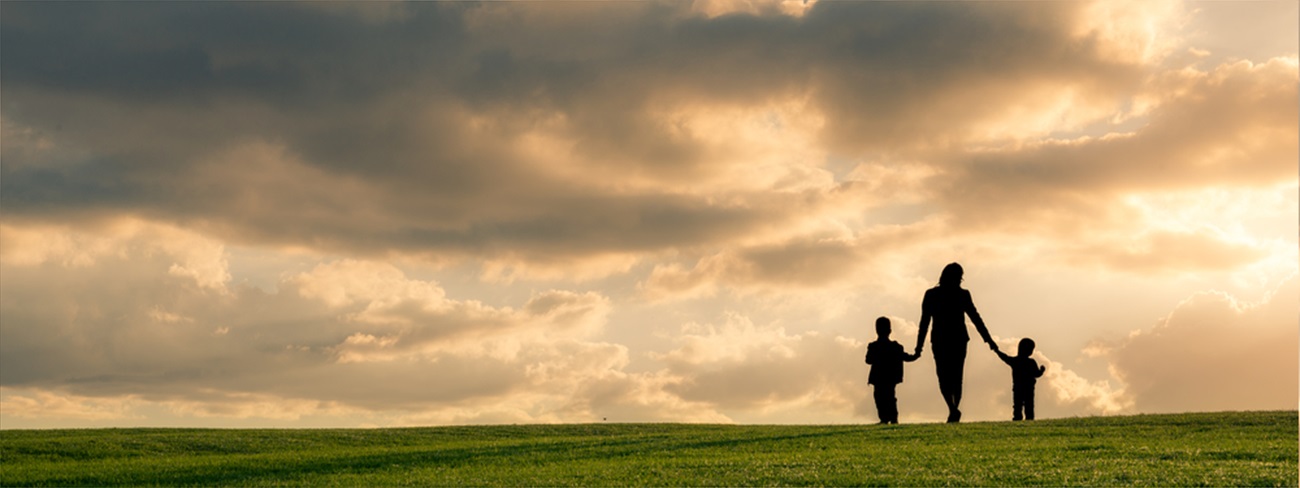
x: 948, y: 305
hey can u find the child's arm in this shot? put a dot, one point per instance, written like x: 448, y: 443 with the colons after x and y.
x: 911, y: 357
x: 1041, y: 370
x: 1005, y: 358
x: 871, y: 358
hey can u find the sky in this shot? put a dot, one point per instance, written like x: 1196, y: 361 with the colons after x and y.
x: 330, y: 214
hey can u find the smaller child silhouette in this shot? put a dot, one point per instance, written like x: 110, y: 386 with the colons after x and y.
x: 886, y: 359
x: 1024, y: 374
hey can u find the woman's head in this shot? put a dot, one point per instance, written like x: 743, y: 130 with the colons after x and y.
x: 951, y: 275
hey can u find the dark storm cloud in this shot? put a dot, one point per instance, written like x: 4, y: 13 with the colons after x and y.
x: 401, y: 130
x: 281, y: 54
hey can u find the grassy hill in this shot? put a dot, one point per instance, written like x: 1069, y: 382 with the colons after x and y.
x: 1217, y: 449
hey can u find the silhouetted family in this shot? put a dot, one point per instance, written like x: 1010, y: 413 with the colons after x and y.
x: 945, y: 307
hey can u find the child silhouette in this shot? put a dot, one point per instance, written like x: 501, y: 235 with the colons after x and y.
x: 886, y: 359
x: 1024, y: 374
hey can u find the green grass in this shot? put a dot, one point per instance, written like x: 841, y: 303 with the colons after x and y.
x: 1203, y: 449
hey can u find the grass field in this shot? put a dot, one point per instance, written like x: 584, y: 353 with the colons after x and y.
x: 1215, y: 449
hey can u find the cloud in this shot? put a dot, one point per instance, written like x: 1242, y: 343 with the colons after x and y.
x: 1074, y: 392
x: 737, y: 365
x: 1211, y: 353
x: 1231, y: 127
x: 253, y: 211
x: 1158, y: 250
x: 38, y: 404
x: 1214, y: 352
x: 314, y: 346
x: 194, y: 256
x: 782, y: 266
x: 817, y: 261
x: 503, y: 133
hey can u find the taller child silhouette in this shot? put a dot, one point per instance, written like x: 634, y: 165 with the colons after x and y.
x: 886, y: 358
x: 947, y: 306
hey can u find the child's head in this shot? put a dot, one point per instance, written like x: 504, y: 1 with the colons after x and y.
x: 1026, y: 347
x: 882, y: 327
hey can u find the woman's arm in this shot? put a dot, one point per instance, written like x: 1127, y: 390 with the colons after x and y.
x: 925, y: 323
x: 925, y: 327
x: 975, y: 319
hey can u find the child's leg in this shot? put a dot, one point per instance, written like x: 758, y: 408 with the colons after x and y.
x: 1029, y: 404
x: 1017, y: 402
x: 882, y: 394
x: 891, y: 404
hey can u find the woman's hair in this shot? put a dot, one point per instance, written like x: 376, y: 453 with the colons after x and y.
x: 951, y: 275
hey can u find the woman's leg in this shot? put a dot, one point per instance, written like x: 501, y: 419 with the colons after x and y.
x: 940, y: 367
x: 958, y: 372
x: 949, y: 363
